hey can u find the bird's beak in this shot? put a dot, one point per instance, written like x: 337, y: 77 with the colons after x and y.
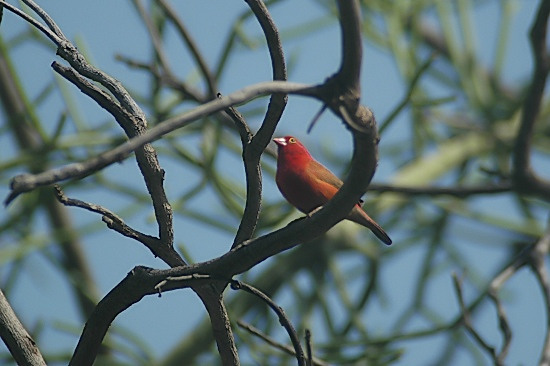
x: 281, y: 141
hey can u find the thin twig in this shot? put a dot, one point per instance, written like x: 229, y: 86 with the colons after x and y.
x: 193, y: 48
x: 407, y: 98
x: 283, y: 319
x: 156, y: 39
x: 468, y: 322
x: 537, y: 262
x: 51, y: 35
x: 309, y: 351
x: 46, y: 18
x: 316, y: 117
x: 283, y: 347
x: 253, y: 150
x: 112, y: 220
x: 527, y: 181
x: 164, y: 77
x: 240, y: 123
x: 504, y: 326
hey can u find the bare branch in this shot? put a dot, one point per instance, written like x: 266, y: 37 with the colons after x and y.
x: 352, y: 50
x: 27, y: 182
x: 46, y: 18
x: 309, y: 351
x: 51, y: 35
x: 254, y: 148
x: 116, y: 223
x: 156, y: 40
x: 193, y: 48
x: 283, y: 347
x: 101, y: 97
x: 504, y: 326
x: 468, y: 322
x: 526, y: 180
x: 283, y: 319
x: 538, y: 256
x: 138, y: 283
x: 19, y: 342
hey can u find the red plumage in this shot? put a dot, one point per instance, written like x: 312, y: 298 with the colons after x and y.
x: 307, y: 184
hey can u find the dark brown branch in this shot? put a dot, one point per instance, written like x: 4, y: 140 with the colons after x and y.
x: 526, y: 180
x: 240, y: 123
x: 146, y: 156
x: 283, y: 319
x: 254, y: 148
x: 211, y: 296
x: 309, y: 351
x: 102, y: 98
x: 352, y: 47
x: 138, y: 283
x: 114, y: 222
x: 250, y: 253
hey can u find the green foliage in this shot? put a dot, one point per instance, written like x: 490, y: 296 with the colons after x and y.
x: 453, y: 124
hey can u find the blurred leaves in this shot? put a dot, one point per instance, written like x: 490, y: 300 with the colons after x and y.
x: 453, y: 123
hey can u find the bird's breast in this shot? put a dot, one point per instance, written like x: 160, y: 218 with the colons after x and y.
x: 301, y: 189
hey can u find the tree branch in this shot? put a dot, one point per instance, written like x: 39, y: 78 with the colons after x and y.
x: 137, y: 284
x: 287, y: 349
x: 27, y: 182
x: 253, y: 149
x: 192, y: 46
x: 526, y: 180
x: 283, y: 319
x: 19, y: 342
x: 468, y: 323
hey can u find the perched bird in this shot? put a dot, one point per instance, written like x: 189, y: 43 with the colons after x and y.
x: 307, y: 184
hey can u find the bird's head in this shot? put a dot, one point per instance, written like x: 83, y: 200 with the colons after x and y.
x: 289, y: 147
x: 288, y: 143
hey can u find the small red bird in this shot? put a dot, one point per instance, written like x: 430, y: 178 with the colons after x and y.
x: 307, y: 184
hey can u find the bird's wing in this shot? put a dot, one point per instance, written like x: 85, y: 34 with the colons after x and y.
x: 324, y: 175
x: 327, y: 177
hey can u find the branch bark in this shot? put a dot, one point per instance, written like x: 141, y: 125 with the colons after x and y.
x: 526, y: 180
x: 16, y: 338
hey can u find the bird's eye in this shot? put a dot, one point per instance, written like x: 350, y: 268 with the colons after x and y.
x: 292, y: 140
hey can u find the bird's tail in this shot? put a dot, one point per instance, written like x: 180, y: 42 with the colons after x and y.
x: 359, y: 216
